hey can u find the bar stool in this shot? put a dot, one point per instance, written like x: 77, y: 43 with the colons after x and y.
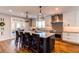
x: 21, y: 39
x: 27, y: 40
x: 35, y: 42
x: 17, y: 38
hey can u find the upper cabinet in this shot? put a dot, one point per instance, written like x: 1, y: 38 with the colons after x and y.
x: 57, y: 18
x: 69, y: 19
x: 77, y: 17
x: 57, y: 22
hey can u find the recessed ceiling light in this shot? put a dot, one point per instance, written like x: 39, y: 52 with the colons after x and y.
x: 10, y: 10
x: 56, y: 9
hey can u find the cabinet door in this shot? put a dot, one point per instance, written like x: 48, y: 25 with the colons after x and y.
x: 69, y: 37
x: 77, y: 37
x: 66, y: 36
x: 69, y: 18
x: 73, y: 37
x: 77, y: 18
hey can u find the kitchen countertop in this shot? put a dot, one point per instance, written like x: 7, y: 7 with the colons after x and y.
x: 45, y: 34
x: 42, y: 33
x: 70, y: 32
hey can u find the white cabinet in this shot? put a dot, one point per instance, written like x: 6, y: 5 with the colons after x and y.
x: 77, y: 37
x: 77, y: 18
x: 68, y: 36
x: 71, y: 37
x: 69, y: 19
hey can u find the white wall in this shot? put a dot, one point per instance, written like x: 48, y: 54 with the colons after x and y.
x: 27, y: 27
x: 7, y: 27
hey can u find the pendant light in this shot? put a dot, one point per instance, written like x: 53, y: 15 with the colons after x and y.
x: 40, y: 16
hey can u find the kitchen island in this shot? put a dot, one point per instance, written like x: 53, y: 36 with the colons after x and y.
x: 48, y: 41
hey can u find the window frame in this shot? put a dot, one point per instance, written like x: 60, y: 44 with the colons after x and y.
x: 40, y: 23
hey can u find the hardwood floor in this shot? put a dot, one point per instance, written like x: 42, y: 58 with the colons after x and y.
x: 66, y: 47
x: 8, y: 46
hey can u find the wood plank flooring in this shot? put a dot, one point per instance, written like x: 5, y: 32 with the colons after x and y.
x: 8, y: 46
x: 65, y: 47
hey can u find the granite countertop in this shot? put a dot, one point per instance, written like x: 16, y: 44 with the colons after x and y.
x: 45, y: 34
x: 42, y: 33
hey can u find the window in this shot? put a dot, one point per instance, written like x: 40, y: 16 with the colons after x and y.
x: 40, y: 24
x: 17, y: 24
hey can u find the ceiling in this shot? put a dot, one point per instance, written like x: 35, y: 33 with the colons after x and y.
x: 33, y: 10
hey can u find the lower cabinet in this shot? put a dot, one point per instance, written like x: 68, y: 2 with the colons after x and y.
x: 71, y: 37
x: 49, y: 43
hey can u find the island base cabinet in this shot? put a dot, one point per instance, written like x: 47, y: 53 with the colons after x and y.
x: 49, y: 44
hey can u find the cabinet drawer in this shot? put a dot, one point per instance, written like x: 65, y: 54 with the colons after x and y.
x: 66, y: 34
x: 77, y: 34
x: 69, y: 34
